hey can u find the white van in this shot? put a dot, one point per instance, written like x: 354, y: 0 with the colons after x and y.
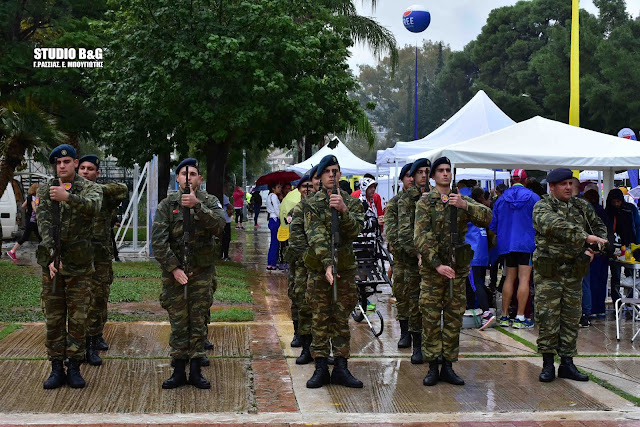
x: 8, y: 214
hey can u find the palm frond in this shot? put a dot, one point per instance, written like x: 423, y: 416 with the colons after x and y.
x: 380, y: 39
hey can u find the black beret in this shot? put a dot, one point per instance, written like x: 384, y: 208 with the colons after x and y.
x: 438, y: 162
x: 64, y: 150
x: 91, y: 158
x: 328, y: 160
x: 188, y: 162
x: 558, y: 175
x: 312, y: 171
x: 305, y: 178
x: 420, y: 163
x: 404, y: 170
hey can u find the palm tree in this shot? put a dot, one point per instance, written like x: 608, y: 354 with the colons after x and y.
x: 24, y: 127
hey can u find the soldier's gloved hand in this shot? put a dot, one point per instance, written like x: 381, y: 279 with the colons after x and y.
x: 180, y: 276
x: 329, y: 275
x: 58, y: 193
x: 456, y: 200
x: 189, y: 200
x: 53, y: 270
x: 591, y: 239
x: 446, y: 271
x: 336, y: 202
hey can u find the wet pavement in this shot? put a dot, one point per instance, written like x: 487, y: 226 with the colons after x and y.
x: 256, y: 381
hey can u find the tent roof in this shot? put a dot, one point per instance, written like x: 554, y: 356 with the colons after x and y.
x: 540, y: 143
x: 349, y: 163
x: 478, y: 117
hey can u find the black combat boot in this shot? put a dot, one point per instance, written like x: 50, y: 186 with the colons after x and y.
x: 74, y: 378
x: 433, y: 376
x: 101, y: 344
x: 207, y: 344
x: 305, y: 356
x: 447, y: 374
x: 195, y: 376
x: 321, y: 375
x: 57, y: 378
x: 92, y: 352
x: 548, y: 373
x: 568, y: 370
x: 416, y: 357
x: 405, y: 336
x: 179, y: 376
x: 296, y: 342
x: 341, y: 375
x: 204, y: 361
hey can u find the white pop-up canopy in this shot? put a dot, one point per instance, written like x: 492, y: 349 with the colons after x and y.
x: 349, y: 163
x: 478, y: 117
x: 588, y: 175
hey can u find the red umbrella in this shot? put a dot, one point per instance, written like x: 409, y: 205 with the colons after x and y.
x: 277, y: 177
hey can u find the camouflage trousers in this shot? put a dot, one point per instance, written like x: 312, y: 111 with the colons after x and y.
x: 99, y: 290
x: 188, y: 318
x: 558, y: 307
x: 442, y: 338
x: 291, y: 284
x: 400, y: 291
x: 300, y: 297
x: 330, y: 322
x: 67, y: 306
x: 412, y: 278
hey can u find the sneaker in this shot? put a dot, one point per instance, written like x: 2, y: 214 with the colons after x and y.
x: 488, y: 319
x: 522, y: 324
x: 256, y: 225
x: 12, y: 255
x: 504, y: 321
x: 584, y: 321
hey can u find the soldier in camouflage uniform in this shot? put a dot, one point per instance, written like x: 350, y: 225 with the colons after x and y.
x: 564, y: 225
x: 187, y: 317
x: 406, y: 216
x: 293, y: 255
x: 112, y: 195
x: 65, y: 286
x: 442, y: 289
x: 398, y: 266
x: 329, y: 319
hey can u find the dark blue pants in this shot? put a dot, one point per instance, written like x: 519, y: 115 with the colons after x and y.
x: 272, y: 258
x: 256, y: 212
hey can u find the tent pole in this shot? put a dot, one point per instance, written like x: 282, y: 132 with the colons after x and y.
x: 600, y: 189
x: 395, y: 184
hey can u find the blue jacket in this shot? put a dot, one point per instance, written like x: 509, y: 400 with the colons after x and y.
x: 477, y: 238
x: 513, y: 220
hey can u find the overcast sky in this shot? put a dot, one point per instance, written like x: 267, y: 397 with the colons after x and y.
x: 455, y: 22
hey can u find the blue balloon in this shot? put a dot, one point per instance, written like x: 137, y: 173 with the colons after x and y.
x: 416, y: 18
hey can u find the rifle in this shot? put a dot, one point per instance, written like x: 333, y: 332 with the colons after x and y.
x: 186, y: 229
x: 55, y: 231
x: 453, y: 229
x: 335, y: 240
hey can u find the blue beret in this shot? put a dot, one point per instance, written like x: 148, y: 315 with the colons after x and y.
x: 328, y: 160
x: 558, y: 175
x: 312, y: 171
x: 404, y: 170
x: 64, y: 150
x: 420, y: 163
x: 92, y: 158
x: 188, y: 162
x: 438, y: 162
x: 305, y: 178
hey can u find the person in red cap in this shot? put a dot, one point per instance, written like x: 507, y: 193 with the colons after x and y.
x: 513, y: 224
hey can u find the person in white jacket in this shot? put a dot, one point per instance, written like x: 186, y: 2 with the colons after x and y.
x: 273, y: 210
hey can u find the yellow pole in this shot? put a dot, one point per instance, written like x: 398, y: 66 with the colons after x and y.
x: 574, y: 106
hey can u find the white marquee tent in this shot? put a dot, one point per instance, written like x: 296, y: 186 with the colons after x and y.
x: 478, y: 117
x: 349, y: 163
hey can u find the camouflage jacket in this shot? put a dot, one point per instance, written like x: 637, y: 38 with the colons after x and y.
x: 562, y: 228
x: 391, y: 221
x: 112, y: 195
x: 317, y: 229
x: 432, y: 235
x: 297, y: 238
x: 76, y: 220
x: 167, y: 235
x: 406, y: 220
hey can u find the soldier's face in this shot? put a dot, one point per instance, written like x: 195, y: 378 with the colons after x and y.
x: 562, y: 190
x: 407, y: 182
x: 327, y: 176
x: 420, y: 176
x: 316, y: 183
x: 442, y: 175
x: 89, y: 171
x: 306, y: 189
x: 66, y: 167
x: 194, y: 178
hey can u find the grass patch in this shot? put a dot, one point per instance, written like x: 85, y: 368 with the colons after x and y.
x: 518, y: 338
x: 128, y: 235
x: 9, y: 329
x: 232, y: 315
x: 134, y: 290
x: 20, y: 288
x: 138, y: 269
x: 232, y: 294
x: 137, y: 316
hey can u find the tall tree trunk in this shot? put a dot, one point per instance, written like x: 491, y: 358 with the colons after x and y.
x: 217, y: 155
x: 164, y: 175
x: 308, y: 145
x: 13, y: 157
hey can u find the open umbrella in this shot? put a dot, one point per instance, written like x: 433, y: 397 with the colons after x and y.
x: 275, y: 177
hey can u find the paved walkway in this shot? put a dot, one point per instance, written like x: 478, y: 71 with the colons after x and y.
x: 256, y: 381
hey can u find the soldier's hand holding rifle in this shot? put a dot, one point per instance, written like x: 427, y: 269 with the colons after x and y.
x: 337, y: 202
x: 457, y: 201
x: 58, y: 193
